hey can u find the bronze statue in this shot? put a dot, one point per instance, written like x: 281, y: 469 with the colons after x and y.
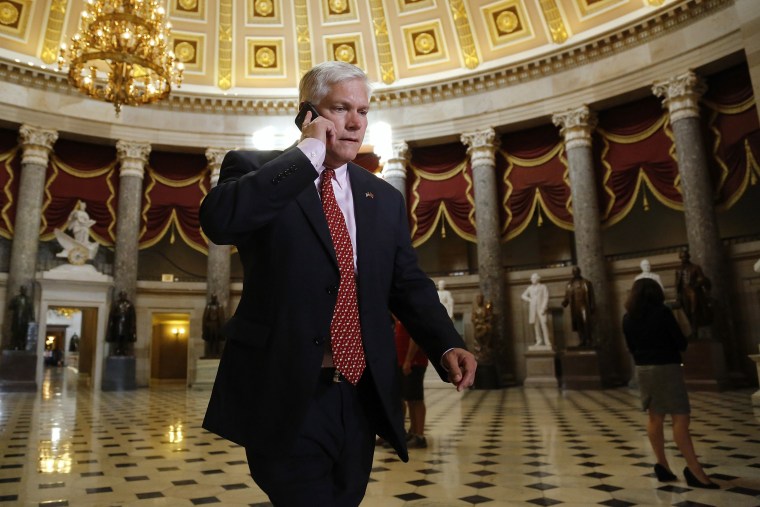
x: 693, y: 291
x: 21, y: 314
x: 579, y: 294
x: 121, y: 325
x: 482, y: 323
x: 213, y: 319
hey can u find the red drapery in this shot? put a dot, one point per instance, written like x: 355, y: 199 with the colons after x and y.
x: 534, y: 181
x: 733, y: 134
x: 440, y: 184
x: 369, y: 161
x: 10, y: 168
x: 81, y: 172
x: 634, y: 145
x: 175, y: 185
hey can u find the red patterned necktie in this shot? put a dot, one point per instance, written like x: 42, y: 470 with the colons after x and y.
x: 345, y: 330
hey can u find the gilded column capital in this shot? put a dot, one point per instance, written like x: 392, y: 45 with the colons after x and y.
x: 681, y: 94
x: 576, y: 126
x: 395, y: 167
x: 481, y: 146
x: 133, y: 156
x: 215, y: 156
x: 36, y: 144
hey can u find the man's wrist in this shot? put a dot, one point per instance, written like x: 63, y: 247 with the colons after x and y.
x: 443, y: 365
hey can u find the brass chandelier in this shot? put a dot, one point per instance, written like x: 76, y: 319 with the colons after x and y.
x: 120, y: 53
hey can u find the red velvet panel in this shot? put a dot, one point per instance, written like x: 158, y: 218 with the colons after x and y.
x: 534, y: 180
x: 175, y: 184
x: 81, y: 172
x: 440, y: 184
x: 10, y: 169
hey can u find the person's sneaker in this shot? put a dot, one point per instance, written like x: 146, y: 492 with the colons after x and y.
x: 417, y: 442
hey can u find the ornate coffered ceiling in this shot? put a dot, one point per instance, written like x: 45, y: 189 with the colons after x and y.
x: 259, y: 48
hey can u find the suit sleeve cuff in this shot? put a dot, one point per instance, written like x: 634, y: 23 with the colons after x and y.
x: 443, y: 365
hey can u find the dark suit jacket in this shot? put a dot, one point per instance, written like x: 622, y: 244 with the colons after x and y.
x: 267, y: 205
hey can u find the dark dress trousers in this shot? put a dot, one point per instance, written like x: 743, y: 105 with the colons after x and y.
x: 267, y: 205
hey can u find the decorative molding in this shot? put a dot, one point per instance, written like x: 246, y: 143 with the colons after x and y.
x: 52, y: 42
x: 395, y: 167
x: 554, y: 21
x: 224, y: 69
x: 36, y: 144
x: 382, y: 42
x: 663, y: 21
x: 132, y: 156
x: 681, y: 94
x: 215, y: 156
x: 464, y: 32
x: 576, y: 126
x: 481, y: 146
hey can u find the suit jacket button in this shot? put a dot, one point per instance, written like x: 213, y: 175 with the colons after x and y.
x: 319, y: 341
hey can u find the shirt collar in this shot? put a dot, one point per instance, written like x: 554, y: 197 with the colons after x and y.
x: 341, y: 175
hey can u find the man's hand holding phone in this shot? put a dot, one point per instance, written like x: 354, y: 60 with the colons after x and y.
x: 313, y: 125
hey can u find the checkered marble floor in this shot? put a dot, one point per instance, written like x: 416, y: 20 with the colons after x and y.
x: 70, y: 446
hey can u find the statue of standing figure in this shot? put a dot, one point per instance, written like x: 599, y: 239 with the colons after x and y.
x: 693, y: 291
x: 537, y: 297
x: 213, y: 319
x: 21, y: 314
x: 482, y: 323
x: 646, y: 272
x: 579, y: 294
x: 445, y: 297
x: 121, y: 325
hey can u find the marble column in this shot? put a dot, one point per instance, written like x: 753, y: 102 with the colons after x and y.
x: 482, y: 145
x: 681, y: 95
x: 218, y: 268
x: 133, y: 156
x: 394, y: 170
x: 576, y: 127
x: 36, y: 145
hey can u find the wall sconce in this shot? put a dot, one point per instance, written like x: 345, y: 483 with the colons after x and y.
x: 178, y: 331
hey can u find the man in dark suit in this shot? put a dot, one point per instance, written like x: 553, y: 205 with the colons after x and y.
x: 305, y: 410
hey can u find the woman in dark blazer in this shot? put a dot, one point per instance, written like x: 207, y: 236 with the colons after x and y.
x: 656, y: 342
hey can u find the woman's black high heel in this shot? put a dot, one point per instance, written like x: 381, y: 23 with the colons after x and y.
x: 663, y: 474
x: 692, y: 481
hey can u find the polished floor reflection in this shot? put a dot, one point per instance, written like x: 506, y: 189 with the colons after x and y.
x: 70, y: 446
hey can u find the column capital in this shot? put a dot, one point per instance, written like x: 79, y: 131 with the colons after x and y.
x: 133, y: 156
x: 481, y: 146
x: 681, y: 94
x: 36, y: 144
x: 215, y: 156
x: 576, y: 126
x: 395, y: 167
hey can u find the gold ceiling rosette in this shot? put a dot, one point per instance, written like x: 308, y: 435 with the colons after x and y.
x: 121, y: 53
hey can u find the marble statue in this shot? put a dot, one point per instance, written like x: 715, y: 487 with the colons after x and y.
x: 537, y: 297
x: 446, y: 298
x: 646, y: 272
x: 121, y: 325
x: 213, y: 320
x: 21, y: 313
x: 77, y: 248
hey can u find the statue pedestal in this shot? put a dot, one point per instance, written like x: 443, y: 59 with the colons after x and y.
x: 486, y: 377
x: 18, y: 371
x: 119, y: 374
x: 580, y: 369
x: 756, y: 395
x: 540, y: 368
x: 704, y: 366
x: 205, y: 373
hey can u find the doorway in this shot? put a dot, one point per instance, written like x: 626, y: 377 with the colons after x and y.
x: 169, y: 347
x: 70, y: 340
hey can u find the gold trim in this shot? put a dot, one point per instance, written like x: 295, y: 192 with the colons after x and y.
x: 5, y: 159
x: 464, y: 33
x: 554, y: 21
x: 303, y: 36
x: 382, y: 42
x: 224, y: 79
x: 52, y: 41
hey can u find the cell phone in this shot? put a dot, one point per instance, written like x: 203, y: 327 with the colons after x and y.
x: 301, y: 116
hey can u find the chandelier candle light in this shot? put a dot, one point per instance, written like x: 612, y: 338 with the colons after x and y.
x: 120, y: 53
